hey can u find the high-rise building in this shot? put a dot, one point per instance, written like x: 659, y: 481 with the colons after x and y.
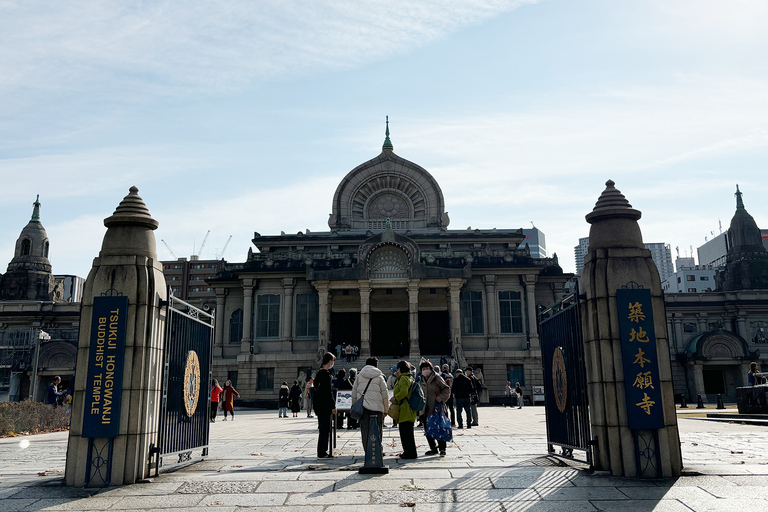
x: 714, y: 251
x: 536, y: 242
x: 580, y: 251
x: 682, y: 262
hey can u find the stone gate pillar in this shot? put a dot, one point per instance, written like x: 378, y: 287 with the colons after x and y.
x: 617, y: 260
x: 125, y: 340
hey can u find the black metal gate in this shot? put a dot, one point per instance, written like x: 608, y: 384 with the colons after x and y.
x: 185, y: 405
x: 565, y: 378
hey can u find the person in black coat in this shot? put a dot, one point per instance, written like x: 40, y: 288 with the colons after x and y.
x: 282, y: 401
x: 295, y: 397
x: 461, y: 389
x: 477, y: 388
x: 340, y: 382
x: 325, y: 406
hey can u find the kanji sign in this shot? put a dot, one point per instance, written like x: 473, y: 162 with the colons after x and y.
x: 641, y: 364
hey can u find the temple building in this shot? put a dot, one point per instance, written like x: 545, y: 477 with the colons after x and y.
x: 389, y: 277
x: 38, y: 324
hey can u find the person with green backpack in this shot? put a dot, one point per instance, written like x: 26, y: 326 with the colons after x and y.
x: 403, y: 392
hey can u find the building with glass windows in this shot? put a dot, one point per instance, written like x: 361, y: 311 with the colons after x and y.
x: 390, y: 278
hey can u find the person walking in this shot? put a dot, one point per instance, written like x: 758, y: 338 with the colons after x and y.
x: 340, y: 383
x: 348, y: 353
x: 229, y: 399
x: 215, y: 393
x: 435, y: 391
x: 324, y: 406
x: 509, y: 392
x: 53, y: 392
x: 448, y: 378
x: 371, y: 385
x: 352, y: 423
x: 295, y: 398
x: 474, y: 397
x: 407, y: 415
x: 462, y: 389
x: 283, y: 397
x: 309, y: 396
x: 519, y: 392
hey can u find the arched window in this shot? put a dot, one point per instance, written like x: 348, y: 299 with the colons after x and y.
x: 26, y: 247
x: 45, y: 249
x: 236, y: 326
x: 388, y: 262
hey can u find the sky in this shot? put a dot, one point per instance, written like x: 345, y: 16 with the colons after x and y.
x: 243, y: 116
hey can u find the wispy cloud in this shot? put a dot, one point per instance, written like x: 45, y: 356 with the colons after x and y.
x: 215, y: 45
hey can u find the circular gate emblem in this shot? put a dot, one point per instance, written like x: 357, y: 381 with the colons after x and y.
x: 191, y: 382
x: 559, y: 379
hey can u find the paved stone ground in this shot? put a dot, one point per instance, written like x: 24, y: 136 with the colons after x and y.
x: 265, y: 463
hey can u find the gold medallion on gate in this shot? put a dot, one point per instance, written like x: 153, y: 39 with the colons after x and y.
x: 559, y: 379
x: 191, y: 382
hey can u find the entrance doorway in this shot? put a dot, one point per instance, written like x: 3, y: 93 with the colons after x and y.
x: 389, y: 333
x: 714, y: 382
x: 345, y: 328
x: 434, y: 333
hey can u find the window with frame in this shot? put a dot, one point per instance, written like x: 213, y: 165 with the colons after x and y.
x: 266, y: 378
x: 510, y: 312
x: 268, y: 316
x: 236, y: 326
x: 471, y: 312
x: 26, y: 247
x: 703, y: 278
x: 307, y: 313
x: 515, y: 374
x: 690, y: 278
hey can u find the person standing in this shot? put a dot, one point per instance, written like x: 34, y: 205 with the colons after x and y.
x: 435, y: 391
x: 407, y: 415
x: 309, y: 396
x: 53, y: 392
x: 509, y: 392
x: 477, y: 388
x: 341, y: 383
x: 371, y: 385
x: 324, y: 406
x: 448, y: 378
x: 215, y: 393
x: 462, y: 389
x: 338, y: 350
x: 229, y: 399
x: 519, y: 393
x: 283, y: 397
x: 295, y: 398
x: 352, y: 423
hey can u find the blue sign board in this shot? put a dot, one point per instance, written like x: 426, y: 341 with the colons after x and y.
x: 641, y: 363
x: 106, y: 359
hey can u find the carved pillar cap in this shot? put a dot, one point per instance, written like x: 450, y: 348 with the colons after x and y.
x: 612, y: 203
x: 132, y: 211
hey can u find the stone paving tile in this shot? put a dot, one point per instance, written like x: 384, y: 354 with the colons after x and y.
x: 244, y: 500
x: 50, y: 491
x: 669, y: 493
x: 296, y: 486
x: 581, y: 493
x: 474, y: 495
x: 722, y: 505
x: 159, y: 501
x: 758, y: 480
x: 94, y: 503
x: 218, y: 487
x: 455, y: 483
x: 641, y: 506
x: 330, y: 498
x: 356, y: 508
x: 373, y: 484
x: 12, y: 505
x: 488, y: 506
x: 149, y: 489
x: 587, y: 480
x: 738, y: 492
x: 423, y: 496
x: 549, y: 506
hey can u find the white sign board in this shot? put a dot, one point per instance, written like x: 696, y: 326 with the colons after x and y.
x: 538, y: 394
x: 343, y: 400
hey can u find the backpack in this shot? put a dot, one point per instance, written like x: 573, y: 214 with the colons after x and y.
x: 416, y: 398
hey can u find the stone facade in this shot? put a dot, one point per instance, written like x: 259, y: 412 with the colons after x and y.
x: 389, y: 277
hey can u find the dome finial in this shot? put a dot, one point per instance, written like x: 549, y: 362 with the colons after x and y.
x: 36, y: 210
x: 739, y: 202
x: 387, y: 143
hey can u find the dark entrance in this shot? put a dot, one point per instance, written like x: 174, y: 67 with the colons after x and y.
x: 714, y: 382
x: 389, y: 334
x: 434, y: 333
x: 345, y: 328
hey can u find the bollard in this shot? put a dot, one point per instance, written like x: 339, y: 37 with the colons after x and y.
x: 683, y: 403
x: 700, y: 403
x: 720, y: 402
x: 374, y: 460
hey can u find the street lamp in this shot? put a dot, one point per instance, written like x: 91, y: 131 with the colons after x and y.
x: 41, y: 335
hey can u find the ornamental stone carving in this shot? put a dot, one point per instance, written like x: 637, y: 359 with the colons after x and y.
x: 388, y: 205
x: 722, y: 347
x: 388, y: 262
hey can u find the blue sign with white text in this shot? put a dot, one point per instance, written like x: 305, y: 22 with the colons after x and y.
x: 641, y: 364
x: 106, y: 359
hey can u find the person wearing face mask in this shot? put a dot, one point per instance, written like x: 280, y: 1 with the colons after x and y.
x: 324, y: 406
x: 435, y: 391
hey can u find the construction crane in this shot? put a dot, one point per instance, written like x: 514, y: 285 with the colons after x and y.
x: 221, y: 254
x: 205, y: 239
x: 169, y: 249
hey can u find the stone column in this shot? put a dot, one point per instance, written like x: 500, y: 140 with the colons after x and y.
x: 286, y: 325
x: 127, y: 266
x: 702, y: 321
x: 492, y: 311
x: 247, y: 346
x: 454, y: 293
x: 741, y: 325
x: 678, y: 321
x: 323, y: 319
x: 218, y: 345
x: 365, y: 318
x: 698, y: 379
x: 530, y: 304
x: 616, y: 259
x: 413, y: 314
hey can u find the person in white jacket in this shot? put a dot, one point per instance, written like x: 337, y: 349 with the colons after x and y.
x: 376, y: 401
